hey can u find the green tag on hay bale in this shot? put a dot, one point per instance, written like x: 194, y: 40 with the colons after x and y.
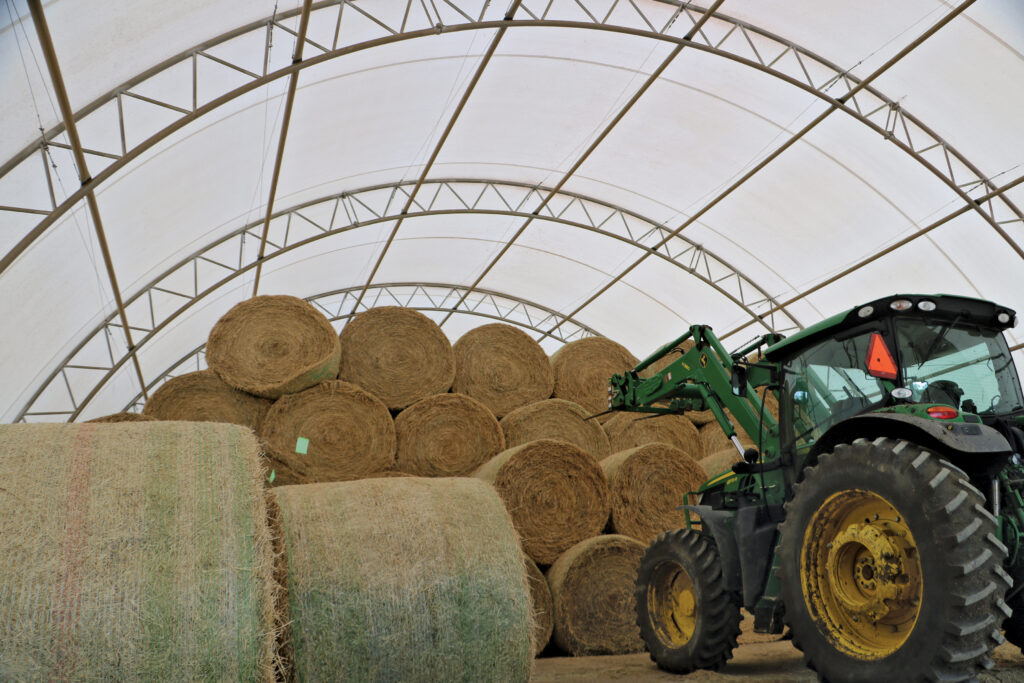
x: 273, y: 475
x: 301, y: 445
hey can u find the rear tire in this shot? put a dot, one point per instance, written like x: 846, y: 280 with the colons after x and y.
x: 890, y: 567
x: 686, y: 617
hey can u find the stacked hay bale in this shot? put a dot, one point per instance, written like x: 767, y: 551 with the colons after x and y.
x: 446, y: 435
x: 204, y: 397
x: 502, y: 367
x: 555, y: 418
x: 582, y: 369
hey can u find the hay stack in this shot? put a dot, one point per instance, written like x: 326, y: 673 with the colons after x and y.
x: 592, y: 587
x: 540, y: 599
x: 502, y: 367
x: 345, y: 432
x: 397, y: 354
x: 714, y: 439
x: 273, y: 345
x: 121, y: 417
x: 204, y: 397
x: 446, y: 435
x: 134, y: 552
x: 405, y: 580
x: 647, y: 484
x: 556, y: 493
x: 555, y: 418
x: 629, y: 430
x: 720, y: 461
x: 665, y: 360
x: 582, y: 369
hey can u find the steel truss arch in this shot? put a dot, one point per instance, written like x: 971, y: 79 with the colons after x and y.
x: 743, y: 43
x: 163, y: 300
x: 430, y: 297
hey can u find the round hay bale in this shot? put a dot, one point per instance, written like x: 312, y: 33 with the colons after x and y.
x: 629, y: 430
x: 556, y: 493
x: 714, y: 439
x: 540, y: 599
x: 204, y: 397
x: 592, y: 587
x: 582, y: 369
x: 397, y: 354
x: 502, y: 367
x: 136, y: 551
x: 647, y: 484
x: 664, y: 361
x: 720, y: 461
x: 446, y: 435
x: 332, y: 432
x: 406, y: 579
x: 121, y: 417
x: 555, y: 418
x: 273, y: 345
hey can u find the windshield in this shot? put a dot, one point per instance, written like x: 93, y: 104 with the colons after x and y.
x: 960, y: 365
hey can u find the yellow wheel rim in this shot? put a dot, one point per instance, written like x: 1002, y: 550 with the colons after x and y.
x: 861, y: 574
x: 672, y: 604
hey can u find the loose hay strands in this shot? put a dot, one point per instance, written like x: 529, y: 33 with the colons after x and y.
x: 405, y: 580
x: 273, y: 345
x: 204, y: 397
x: 397, y: 354
x: 346, y: 434
x: 502, y: 367
x: 121, y: 417
x: 555, y: 492
x: 446, y: 435
x: 540, y: 599
x: 592, y: 588
x: 555, y: 418
x: 648, y: 484
x: 136, y: 551
x: 628, y: 430
x: 720, y: 461
x: 582, y: 369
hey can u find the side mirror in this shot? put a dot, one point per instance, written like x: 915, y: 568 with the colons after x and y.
x: 739, y: 380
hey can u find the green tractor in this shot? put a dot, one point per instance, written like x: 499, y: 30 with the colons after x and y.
x: 881, y: 515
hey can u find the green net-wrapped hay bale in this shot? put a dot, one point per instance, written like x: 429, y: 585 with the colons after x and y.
x: 446, y: 435
x: 502, y: 367
x: 135, y: 551
x: 540, y: 599
x: 332, y: 432
x: 555, y: 418
x: 647, y: 486
x: 627, y: 430
x: 556, y: 493
x: 408, y: 579
x: 582, y: 369
x: 720, y: 461
x: 273, y: 345
x: 397, y: 354
x: 714, y: 439
x: 592, y: 586
x: 121, y: 417
x: 204, y: 397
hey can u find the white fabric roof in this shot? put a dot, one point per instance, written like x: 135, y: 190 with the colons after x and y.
x: 646, y: 207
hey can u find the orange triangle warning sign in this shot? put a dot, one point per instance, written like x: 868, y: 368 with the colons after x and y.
x: 880, y: 361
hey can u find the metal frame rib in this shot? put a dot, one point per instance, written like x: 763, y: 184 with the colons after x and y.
x: 61, y: 93
x: 782, y: 148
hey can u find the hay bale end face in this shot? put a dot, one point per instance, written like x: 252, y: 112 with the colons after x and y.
x: 332, y: 432
x: 555, y: 492
x: 406, y: 579
x: 592, y: 586
x: 273, y: 345
x: 720, y: 461
x: 555, y: 418
x: 397, y: 354
x: 582, y: 369
x: 502, y: 367
x: 137, y: 551
x: 204, y: 397
x: 446, y: 435
x: 713, y: 438
x: 540, y: 599
x: 628, y: 430
x: 648, y: 484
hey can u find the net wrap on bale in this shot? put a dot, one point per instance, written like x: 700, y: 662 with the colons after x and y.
x: 446, y: 435
x: 406, y: 579
x: 136, y: 551
x: 555, y: 492
x: 204, y: 397
x: 555, y: 418
x: 273, y: 345
x: 582, y: 369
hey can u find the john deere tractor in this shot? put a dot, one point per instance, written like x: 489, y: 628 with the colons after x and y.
x: 880, y: 514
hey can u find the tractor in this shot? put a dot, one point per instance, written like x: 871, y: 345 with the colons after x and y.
x: 880, y: 513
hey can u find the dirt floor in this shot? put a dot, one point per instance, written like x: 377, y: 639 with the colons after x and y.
x: 760, y: 658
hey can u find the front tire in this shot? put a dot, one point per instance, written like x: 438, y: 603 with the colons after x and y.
x: 686, y: 617
x: 890, y: 567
